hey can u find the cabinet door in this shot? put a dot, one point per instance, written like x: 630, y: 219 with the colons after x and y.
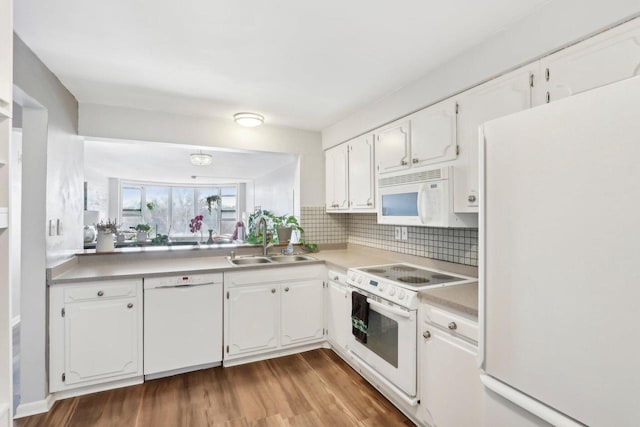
x: 506, y: 95
x: 433, y: 134
x: 606, y: 58
x: 252, y: 319
x: 6, y: 56
x: 301, y: 313
x: 102, y: 340
x: 338, y: 315
x: 336, y: 175
x: 393, y: 147
x: 361, y: 173
x: 450, y: 388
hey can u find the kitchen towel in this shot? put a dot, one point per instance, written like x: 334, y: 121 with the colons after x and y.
x: 359, y: 316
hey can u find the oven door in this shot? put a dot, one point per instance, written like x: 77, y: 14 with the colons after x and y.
x: 391, y: 348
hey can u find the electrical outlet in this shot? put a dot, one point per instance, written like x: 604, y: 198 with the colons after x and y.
x: 398, y: 233
x: 52, y: 228
x: 59, y: 227
x: 405, y: 233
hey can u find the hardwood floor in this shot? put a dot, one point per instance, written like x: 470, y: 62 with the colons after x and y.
x: 315, y: 388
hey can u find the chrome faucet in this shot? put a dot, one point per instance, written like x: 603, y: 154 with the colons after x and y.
x: 262, y: 220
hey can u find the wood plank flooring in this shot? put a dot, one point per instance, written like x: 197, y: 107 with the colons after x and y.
x: 315, y: 388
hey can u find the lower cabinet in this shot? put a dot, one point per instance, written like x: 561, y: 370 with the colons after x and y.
x: 95, y: 333
x: 451, y: 392
x: 273, y: 309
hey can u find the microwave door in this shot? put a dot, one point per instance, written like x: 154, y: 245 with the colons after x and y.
x: 430, y: 204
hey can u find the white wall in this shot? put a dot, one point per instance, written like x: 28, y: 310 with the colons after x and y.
x: 52, y: 187
x: 553, y: 26
x: 277, y: 192
x: 15, y: 217
x: 103, y: 121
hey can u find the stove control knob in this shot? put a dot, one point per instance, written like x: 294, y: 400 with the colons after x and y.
x: 401, y: 294
x: 353, y: 277
x: 381, y: 287
x: 392, y: 291
x: 360, y: 279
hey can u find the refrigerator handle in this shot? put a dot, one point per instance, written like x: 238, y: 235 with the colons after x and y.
x: 528, y: 404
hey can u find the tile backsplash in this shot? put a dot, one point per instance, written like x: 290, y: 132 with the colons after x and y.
x: 459, y: 245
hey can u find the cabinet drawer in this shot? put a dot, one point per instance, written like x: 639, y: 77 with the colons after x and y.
x: 101, y: 290
x: 455, y: 324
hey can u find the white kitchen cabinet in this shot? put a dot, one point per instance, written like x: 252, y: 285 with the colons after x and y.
x: 433, y: 134
x: 96, y: 333
x: 338, y: 315
x: 505, y: 95
x: 272, y: 309
x: 6, y: 57
x: 606, y: 58
x: 301, y: 312
x: 336, y: 178
x: 361, y: 174
x: 451, y: 393
x: 393, y: 147
x: 252, y: 317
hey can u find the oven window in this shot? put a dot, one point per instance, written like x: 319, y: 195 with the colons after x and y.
x: 404, y: 204
x: 382, y: 337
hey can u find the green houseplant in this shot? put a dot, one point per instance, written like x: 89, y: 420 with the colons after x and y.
x: 285, y: 225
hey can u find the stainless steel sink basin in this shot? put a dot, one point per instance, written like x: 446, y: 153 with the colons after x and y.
x: 291, y: 258
x: 250, y: 261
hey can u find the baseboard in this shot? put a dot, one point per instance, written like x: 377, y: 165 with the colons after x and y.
x: 34, y: 408
x: 65, y: 394
x: 272, y: 355
x: 15, y: 322
x: 173, y: 372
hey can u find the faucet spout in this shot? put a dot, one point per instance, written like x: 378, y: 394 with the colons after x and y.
x: 262, y: 223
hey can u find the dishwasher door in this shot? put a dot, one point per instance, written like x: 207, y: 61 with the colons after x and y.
x: 182, y: 323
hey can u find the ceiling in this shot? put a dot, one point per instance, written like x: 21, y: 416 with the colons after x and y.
x: 169, y: 163
x: 301, y: 64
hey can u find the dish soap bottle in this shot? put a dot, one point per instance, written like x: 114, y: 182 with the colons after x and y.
x: 289, y: 250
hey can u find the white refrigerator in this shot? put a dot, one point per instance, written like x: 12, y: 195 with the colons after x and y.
x: 560, y: 261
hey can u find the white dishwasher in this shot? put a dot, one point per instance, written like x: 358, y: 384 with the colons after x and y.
x: 182, y: 323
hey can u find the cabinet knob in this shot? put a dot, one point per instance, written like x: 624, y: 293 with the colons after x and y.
x: 369, y: 203
x: 273, y: 291
x: 404, y: 163
x: 286, y: 289
x: 471, y: 198
x: 426, y: 335
x: 452, y: 326
x: 130, y: 305
x: 415, y: 160
x: 100, y: 293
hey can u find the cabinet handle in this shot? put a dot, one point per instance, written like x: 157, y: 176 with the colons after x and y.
x: 453, y: 326
x: 286, y: 289
x: 415, y: 160
x: 369, y: 203
x: 548, y: 97
x: 130, y: 305
x: 273, y: 291
x: 426, y: 335
x: 547, y: 74
x: 472, y: 198
x: 100, y: 293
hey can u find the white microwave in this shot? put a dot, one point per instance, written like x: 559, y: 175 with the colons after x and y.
x: 421, y: 198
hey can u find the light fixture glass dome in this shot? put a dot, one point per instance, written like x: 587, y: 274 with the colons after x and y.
x: 201, y: 159
x: 249, y: 120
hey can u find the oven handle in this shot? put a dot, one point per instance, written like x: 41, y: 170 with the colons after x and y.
x: 388, y: 309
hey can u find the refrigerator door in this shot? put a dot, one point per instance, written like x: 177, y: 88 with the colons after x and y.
x: 560, y: 254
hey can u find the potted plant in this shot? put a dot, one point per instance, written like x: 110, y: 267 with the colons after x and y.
x: 212, y: 202
x: 251, y: 236
x: 142, y: 232
x: 106, y: 230
x: 285, y: 225
x: 195, y: 225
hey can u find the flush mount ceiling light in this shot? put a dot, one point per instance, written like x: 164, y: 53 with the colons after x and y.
x: 249, y: 120
x: 201, y: 159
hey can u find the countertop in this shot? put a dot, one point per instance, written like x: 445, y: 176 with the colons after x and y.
x: 80, y: 269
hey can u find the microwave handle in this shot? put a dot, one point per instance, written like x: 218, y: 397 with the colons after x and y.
x: 422, y: 193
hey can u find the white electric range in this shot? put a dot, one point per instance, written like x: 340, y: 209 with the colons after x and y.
x: 390, y: 351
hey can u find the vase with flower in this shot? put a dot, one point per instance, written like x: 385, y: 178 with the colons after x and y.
x: 195, y: 225
x: 106, y: 230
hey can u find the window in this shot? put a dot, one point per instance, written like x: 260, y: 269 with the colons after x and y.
x: 169, y: 209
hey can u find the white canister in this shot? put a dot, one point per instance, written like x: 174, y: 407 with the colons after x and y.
x: 142, y: 236
x: 105, y: 242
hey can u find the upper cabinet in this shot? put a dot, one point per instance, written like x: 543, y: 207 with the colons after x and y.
x: 505, y: 95
x: 361, y: 173
x: 6, y: 58
x: 336, y: 175
x: 393, y: 147
x: 606, y: 58
x: 433, y: 134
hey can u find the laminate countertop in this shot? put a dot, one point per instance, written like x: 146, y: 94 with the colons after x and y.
x: 82, y: 269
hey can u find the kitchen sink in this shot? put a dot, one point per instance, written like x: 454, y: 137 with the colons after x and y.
x: 250, y: 261
x: 291, y: 258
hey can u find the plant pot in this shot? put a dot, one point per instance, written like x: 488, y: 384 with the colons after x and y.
x: 142, y: 236
x: 105, y: 242
x: 284, y: 234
